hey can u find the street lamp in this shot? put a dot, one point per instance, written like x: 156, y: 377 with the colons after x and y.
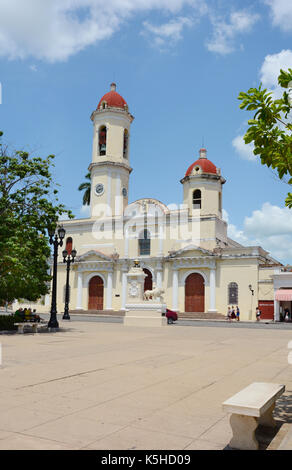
x: 68, y: 258
x: 251, y: 289
x: 56, y: 239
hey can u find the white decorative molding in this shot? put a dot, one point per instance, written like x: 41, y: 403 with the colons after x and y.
x: 96, y: 266
x: 91, y: 275
x: 134, y: 289
x: 188, y: 262
x: 184, y: 275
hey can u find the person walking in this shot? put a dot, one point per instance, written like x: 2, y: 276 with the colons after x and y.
x: 229, y: 314
x: 233, y: 316
x: 237, y: 313
x: 258, y: 314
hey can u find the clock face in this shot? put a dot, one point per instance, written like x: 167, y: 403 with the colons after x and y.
x: 124, y: 192
x: 99, y: 189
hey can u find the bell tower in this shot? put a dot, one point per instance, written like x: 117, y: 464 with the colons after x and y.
x: 202, y: 186
x: 110, y: 167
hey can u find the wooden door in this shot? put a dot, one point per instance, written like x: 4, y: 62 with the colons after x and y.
x: 195, y: 293
x: 95, y: 294
x: 267, y: 309
x: 148, y: 280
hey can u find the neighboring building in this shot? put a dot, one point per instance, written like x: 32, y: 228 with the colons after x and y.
x: 183, y: 249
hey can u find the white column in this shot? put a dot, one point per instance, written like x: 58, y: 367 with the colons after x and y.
x: 212, y: 306
x: 124, y: 289
x: 126, y: 243
x: 79, y: 291
x: 160, y: 248
x: 109, y: 291
x: 159, y: 278
x: 276, y: 308
x: 175, y: 289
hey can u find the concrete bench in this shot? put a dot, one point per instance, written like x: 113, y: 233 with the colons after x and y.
x: 250, y: 407
x: 33, y: 325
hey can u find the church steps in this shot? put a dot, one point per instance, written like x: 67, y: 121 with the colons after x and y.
x: 182, y: 315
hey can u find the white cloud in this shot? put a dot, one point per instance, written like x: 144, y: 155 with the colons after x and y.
x: 222, y: 41
x: 243, y: 149
x: 269, y: 221
x: 168, y: 33
x: 54, y: 30
x: 270, y: 70
x: 269, y: 227
x: 281, y: 12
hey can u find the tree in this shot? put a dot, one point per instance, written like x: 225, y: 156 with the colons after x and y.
x: 270, y: 130
x: 28, y: 207
x: 87, y: 187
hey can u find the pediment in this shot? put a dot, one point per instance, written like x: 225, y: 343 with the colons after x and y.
x: 95, y: 255
x: 190, y: 250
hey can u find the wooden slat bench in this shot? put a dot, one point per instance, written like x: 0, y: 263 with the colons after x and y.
x: 250, y: 407
x: 33, y: 325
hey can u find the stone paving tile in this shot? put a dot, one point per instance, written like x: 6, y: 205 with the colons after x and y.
x: 134, y: 438
x: 74, y: 431
x: 104, y: 386
x: 24, y: 442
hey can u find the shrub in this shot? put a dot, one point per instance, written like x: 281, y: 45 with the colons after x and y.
x: 7, y: 322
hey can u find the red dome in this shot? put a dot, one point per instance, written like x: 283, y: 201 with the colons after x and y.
x: 204, y: 163
x: 113, y: 99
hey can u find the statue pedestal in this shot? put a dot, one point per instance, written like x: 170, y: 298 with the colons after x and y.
x: 141, y: 312
x: 145, y: 314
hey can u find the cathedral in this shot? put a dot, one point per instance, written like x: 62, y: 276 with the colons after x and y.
x: 182, y: 248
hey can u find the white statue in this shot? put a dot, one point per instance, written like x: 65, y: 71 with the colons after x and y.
x: 155, y: 294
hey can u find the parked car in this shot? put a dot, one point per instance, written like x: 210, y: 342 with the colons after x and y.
x: 171, y: 316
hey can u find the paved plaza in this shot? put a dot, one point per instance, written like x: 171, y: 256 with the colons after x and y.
x: 97, y: 385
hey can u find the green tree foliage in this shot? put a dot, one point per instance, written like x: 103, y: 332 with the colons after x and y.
x: 28, y: 207
x: 86, y: 187
x: 270, y: 130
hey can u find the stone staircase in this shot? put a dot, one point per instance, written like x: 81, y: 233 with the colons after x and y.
x: 182, y: 315
x: 113, y: 313
x: 201, y: 316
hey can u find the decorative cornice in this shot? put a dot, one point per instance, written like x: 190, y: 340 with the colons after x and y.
x: 110, y: 163
x: 192, y: 247
x: 96, y: 253
x: 206, y: 176
x: 111, y: 110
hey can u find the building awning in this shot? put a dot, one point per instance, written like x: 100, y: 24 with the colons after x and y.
x: 283, y: 294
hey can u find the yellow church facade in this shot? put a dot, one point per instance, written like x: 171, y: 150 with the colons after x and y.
x: 183, y: 248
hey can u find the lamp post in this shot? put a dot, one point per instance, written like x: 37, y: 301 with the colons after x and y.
x: 68, y: 258
x: 56, y: 239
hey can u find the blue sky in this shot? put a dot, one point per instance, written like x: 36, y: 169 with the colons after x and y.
x: 180, y: 65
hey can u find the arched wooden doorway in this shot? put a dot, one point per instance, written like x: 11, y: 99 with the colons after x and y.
x: 148, y: 283
x: 195, y: 293
x: 95, y: 293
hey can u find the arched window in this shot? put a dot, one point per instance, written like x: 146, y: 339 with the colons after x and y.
x: 197, y: 199
x: 126, y: 142
x: 69, y: 243
x: 144, y: 243
x: 102, y: 140
x: 233, y: 293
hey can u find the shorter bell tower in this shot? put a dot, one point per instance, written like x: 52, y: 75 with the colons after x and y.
x: 110, y: 167
x: 202, y: 186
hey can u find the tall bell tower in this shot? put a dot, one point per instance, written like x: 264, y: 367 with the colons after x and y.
x: 110, y: 167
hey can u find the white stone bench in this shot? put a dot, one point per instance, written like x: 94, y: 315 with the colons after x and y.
x: 250, y: 407
x: 33, y: 325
